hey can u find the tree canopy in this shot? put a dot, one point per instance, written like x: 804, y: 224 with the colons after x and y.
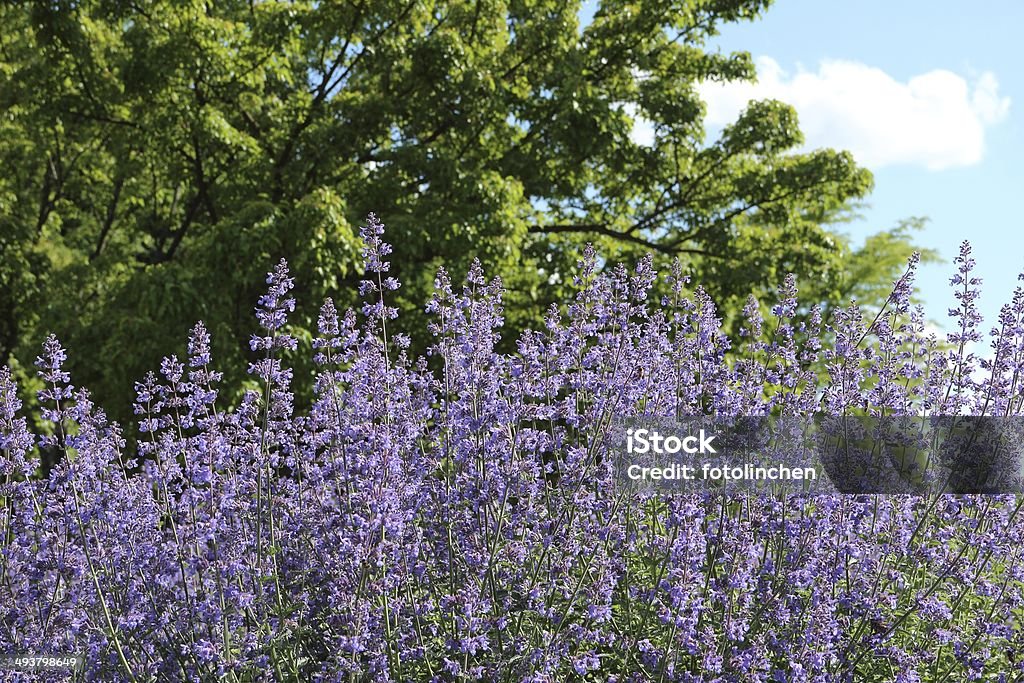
x: 160, y: 156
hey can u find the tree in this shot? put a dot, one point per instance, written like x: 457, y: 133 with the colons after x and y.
x: 161, y: 151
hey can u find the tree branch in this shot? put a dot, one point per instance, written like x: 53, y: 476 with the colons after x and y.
x: 602, y: 229
x: 108, y: 221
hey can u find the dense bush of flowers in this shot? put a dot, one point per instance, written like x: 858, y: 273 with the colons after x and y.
x: 453, y: 517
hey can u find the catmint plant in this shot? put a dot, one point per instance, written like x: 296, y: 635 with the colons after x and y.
x: 457, y: 517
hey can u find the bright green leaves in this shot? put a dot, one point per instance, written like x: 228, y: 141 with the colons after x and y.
x: 765, y: 127
x: 166, y: 151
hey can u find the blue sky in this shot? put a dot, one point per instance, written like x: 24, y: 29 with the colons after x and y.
x: 929, y: 96
x: 964, y: 197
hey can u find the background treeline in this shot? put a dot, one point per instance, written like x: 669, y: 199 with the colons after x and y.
x: 158, y: 157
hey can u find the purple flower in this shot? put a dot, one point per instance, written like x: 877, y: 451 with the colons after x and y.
x: 459, y: 516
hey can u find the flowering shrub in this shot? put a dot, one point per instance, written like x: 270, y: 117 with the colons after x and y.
x: 454, y: 518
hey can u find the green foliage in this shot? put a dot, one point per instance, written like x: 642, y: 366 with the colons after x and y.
x: 159, y: 151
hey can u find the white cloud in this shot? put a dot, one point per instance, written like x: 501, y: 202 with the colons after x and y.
x: 936, y: 120
x: 643, y: 128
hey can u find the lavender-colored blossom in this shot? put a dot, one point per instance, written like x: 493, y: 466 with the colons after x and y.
x: 275, y: 305
x: 457, y: 517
